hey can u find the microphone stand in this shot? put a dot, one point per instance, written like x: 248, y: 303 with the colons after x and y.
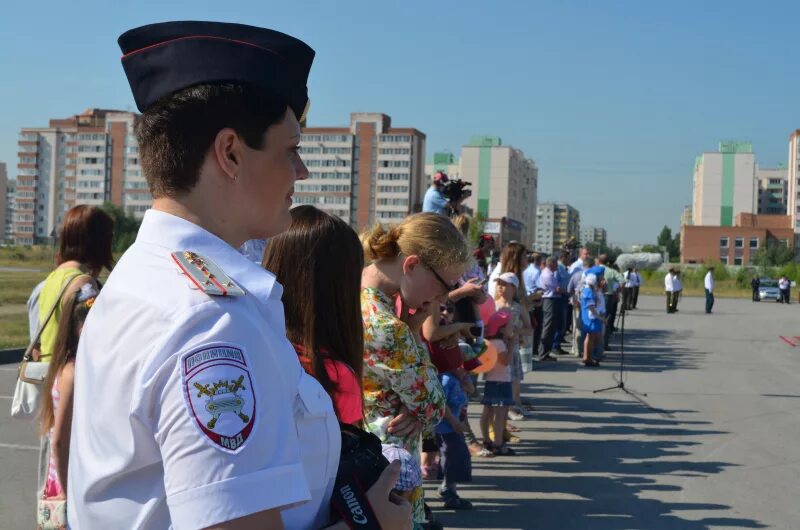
x: 620, y: 382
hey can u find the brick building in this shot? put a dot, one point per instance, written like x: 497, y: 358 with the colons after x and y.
x: 367, y: 172
x: 735, y: 245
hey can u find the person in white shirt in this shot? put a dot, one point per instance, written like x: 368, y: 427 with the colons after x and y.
x: 578, y: 263
x: 784, y: 285
x: 191, y: 408
x: 669, y: 288
x: 627, y: 290
x: 637, y: 282
x: 677, y: 288
x: 708, y: 283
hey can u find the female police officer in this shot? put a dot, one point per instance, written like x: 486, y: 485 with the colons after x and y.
x: 191, y: 409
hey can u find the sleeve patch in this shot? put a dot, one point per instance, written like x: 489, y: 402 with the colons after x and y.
x: 218, y: 390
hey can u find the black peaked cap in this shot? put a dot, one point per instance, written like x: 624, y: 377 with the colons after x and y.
x: 160, y: 59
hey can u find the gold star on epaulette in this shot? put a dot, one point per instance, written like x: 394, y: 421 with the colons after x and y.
x: 206, y: 275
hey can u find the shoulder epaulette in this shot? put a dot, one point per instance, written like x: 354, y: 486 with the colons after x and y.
x: 206, y: 275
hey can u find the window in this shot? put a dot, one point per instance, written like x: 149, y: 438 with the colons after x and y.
x: 724, y: 259
x: 737, y: 260
x: 723, y: 242
x: 753, y: 242
x: 739, y: 242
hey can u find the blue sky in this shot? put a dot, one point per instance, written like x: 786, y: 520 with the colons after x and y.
x: 612, y: 99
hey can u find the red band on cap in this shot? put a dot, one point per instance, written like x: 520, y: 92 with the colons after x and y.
x: 198, y: 37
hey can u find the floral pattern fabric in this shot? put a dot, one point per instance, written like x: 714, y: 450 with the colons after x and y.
x: 397, y: 372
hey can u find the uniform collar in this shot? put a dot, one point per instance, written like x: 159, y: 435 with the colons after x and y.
x: 176, y: 234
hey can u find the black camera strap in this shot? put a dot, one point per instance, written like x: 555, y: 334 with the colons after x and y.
x: 350, y: 502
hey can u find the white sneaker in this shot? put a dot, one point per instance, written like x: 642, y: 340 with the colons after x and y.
x: 514, y: 415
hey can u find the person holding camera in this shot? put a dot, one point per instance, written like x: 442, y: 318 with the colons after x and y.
x: 435, y: 200
x: 191, y: 409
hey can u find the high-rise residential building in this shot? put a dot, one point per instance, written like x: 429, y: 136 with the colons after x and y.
x: 10, y: 202
x: 89, y: 158
x: 593, y: 235
x: 445, y: 162
x: 724, y: 185
x: 367, y: 172
x: 686, y: 216
x: 504, y: 187
x: 773, y: 190
x: 556, y: 223
x: 794, y: 184
x: 3, y: 205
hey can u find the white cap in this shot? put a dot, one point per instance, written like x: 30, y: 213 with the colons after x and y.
x: 509, y: 278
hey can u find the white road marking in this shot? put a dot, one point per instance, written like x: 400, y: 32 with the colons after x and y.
x: 19, y: 446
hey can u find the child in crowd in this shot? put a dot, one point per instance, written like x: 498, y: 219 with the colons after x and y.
x: 591, y: 318
x: 455, y: 456
x: 410, y: 480
x: 497, y: 388
x: 506, y: 287
x: 56, y: 412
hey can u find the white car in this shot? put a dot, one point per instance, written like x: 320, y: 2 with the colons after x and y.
x: 768, y: 290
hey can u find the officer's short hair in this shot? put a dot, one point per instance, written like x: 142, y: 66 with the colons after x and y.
x: 175, y: 134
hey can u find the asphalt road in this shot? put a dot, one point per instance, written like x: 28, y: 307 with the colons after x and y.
x: 714, y: 444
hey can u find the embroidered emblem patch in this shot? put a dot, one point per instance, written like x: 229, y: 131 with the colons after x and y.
x: 219, y: 394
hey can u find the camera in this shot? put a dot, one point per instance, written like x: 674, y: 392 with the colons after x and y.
x: 360, y: 465
x: 455, y: 190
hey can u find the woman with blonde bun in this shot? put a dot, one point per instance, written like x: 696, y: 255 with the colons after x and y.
x: 413, y: 265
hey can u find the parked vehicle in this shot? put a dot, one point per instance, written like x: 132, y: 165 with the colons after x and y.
x: 768, y: 290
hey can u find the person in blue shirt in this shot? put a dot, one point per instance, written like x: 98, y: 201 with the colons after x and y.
x: 563, y: 277
x: 455, y: 458
x: 590, y: 314
x: 435, y: 201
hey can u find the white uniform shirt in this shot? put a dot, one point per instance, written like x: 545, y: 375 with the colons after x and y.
x: 676, y: 284
x: 709, y: 281
x: 669, y: 282
x: 145, y: 452
x: 637, y: 279
x: 630, y: 280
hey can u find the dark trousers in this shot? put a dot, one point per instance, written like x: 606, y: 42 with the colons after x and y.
x: 627, y: 298
x: 755, y: 294
x: 612, y: 301
x: 670, y: 294
x: 562, y: 322
x: 551, y: 324
x: 675, y: 297
x: 537, y: 320
x: 709, y: 301
x: 635, y: 296
x: 785, y: 296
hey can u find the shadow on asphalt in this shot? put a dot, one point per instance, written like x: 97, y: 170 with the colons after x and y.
x: 592, y: 476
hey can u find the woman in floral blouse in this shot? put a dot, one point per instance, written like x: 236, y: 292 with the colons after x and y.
x: 418, y: 261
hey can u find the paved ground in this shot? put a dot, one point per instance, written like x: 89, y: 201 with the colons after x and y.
x: 718, y: 449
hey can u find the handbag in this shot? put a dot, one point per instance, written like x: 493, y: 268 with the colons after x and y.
x: 51, y: 514
x: 27, y: 393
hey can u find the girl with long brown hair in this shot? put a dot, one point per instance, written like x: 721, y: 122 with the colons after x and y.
x: 84, y: 242
x: 318, y: 261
